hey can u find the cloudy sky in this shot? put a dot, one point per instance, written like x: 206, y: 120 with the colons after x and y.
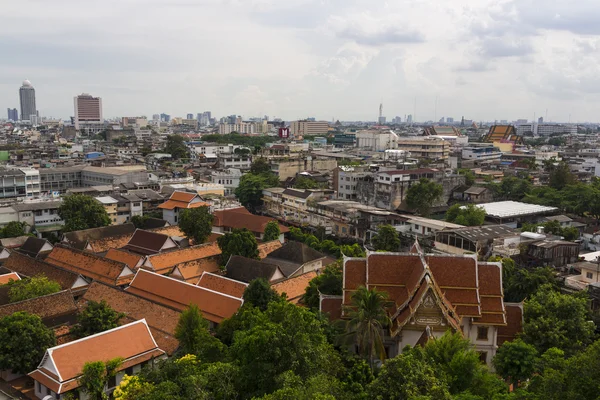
x: 484, y: 59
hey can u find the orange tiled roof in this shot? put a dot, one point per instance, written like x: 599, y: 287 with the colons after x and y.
x: 163, y: 263
x: 242, y: 218
x: 172, y: 230
x: 13, y: 276
x: 182, y: 196
x: 222, y: 284
x: 514, y: 323
x: 46, y: 307
x: 172, y: 204
x: 125, y: 257
x: 191, y: 271
x: 90, y: 265
x: 295, y: 287
x: 171, y: 292
x: 266, y: 248
x: 132, y: 342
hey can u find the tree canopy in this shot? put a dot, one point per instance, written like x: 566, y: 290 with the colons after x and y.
x: 196, y: 223
x: 260, y: 294
x: 260, y: 166
x: 272, y: 231
x: 96, y: 375
x: 249, y: 191
x: 386, y: 239
x: 239, y: 242
x: 30, y: 288
x: 96, y: 317
x: 516, y: 361
x: 13, y: 229
x: 194, y: 338
x: 328, y: 282
x: 176, y: 147
x: 467, y: 215
x: 423, y: 195
x: 82, y: 212
x: 23, y: 341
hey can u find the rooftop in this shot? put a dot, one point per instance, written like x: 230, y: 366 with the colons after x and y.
x: 485, y: 232
x: 507, y: 209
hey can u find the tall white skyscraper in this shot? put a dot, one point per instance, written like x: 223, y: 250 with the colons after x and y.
x: 27, y: 97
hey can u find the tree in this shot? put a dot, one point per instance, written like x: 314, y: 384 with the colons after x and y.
x: 515, y: 361
x: 196, y: 223
x: 95, y: 377
x: 13, y: 229
x: 367, y: 320
x: 511, y: 188
x: 328, y: 282
x: 259, y: 294
x: 386, y: 239
x: 23, y: 341
x: 82, y: 212
x: 467, y: 215
x: 423, y: 195
x: 353, y: 250
x: 176, y: 147
x: 522, y: 283
x: 260, y: 166
x: 272, y: 231
x: 469, y: 176
x: 30, y: 288
x: 193, y: 335
x: 249, y: 191
x: 559, y: 174
x: 303, y: 182
x: 553, y: 319
x: 239, y: 242
x: 96, y: 317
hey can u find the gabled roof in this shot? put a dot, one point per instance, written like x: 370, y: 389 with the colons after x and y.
x: 191, y: 271
x: 153, y: 223
x: 171, y: 292
x: 11, y: 276
x: 46, y: 307
x: 161, y: 319
x: 132, y: 260
x: 246, y: 269
x: 241, y: 218
x: 222, y: 284
x: 80, y: 239
x: 292, y: 256
x: 34, y: 246
x: 183, y: 200
x: 266, y: 248
x: 90, y: 265
x: 305, y: 194
x: 13, y: 243
x: 30, y: 267
x: 294, y: 288
x: 164, y: 262
x: 147, y: 242
x: 62, y: 365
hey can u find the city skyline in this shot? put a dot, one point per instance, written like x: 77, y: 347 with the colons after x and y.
x: 337, y: 59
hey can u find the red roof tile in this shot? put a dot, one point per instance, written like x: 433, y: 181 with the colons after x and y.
x: 163, y: 263
x: 241, y: 218
x: 294, y: 288
x: 13, y: 276
x: 222, y: 284
x: 127, y: 258
x: 514, y: 323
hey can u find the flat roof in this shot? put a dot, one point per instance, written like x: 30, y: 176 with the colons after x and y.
x: 506, y: 209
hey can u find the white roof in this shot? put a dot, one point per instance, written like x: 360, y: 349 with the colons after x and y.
x: 106, y: 200
x: 593, y: 256
x: 505, y: 209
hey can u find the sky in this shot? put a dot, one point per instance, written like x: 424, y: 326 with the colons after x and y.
x: 330, y: 59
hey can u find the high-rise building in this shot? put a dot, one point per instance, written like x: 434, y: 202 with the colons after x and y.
x: 156, y: 117
x: 13, y: 114
x: 449, y: 120
x: 540, y: 120
x: 27, y: 97
x: 409, y: 119
x: 165, y: 117
x: 88, y: 113
x: 190, y: 116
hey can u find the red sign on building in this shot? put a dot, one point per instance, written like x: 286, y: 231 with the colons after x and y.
x: 284, y: 133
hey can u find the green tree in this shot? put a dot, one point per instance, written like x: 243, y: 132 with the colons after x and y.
x: 303, y: 182
x: 30, y: 288
x: 196, y: 223
x: 272, y: 231
x: 95, y: 377
x: 319, y: 387
x: 96, y: 317
x: 249, y: 191
x: 469, y: 176
x: 386, y: 239
x: 239, y: 242
x: 353, y: 250
x: 82, y: 212
x: 328, y: 282
x: 23, y: 341
x: 467, y: 215
x: 14, y: 229
x: 522, y: 283
x: 194, y: 338
x: 139, y: 221
x: 260, y: 294
x: 515, y: 361
x: 260, y: 166
x: 553, y: 319
x: 559, y: 174
x: 511, y: 188
x: 423, y: 195
x: 176, y: 147
x: 367, y: 320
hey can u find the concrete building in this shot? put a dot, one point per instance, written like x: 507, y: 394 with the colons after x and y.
x: 345, y: 179
x: 13, y: 114
x: 376, y: 140
x: 542, y: 129
x: 304, y: 128
x: 110, y: 205
x: 479, y: 153
x: 240, y: 161
x: 19, y: 183
x: 428, y: 148
x: 27, y: 98
x: 60, y: 179
x: 88, y: 113
x: 289, y: 168
x: 229, y: 178
x: 134, y: 121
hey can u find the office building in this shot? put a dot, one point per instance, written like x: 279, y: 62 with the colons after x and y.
x: 13, y: 114
x: 303, y: 128
x: 156, y: 117
x: 373, y: 140
x: 165, y: 117
x: 27, y: 97
x: 449, y: 120
x: 190, y: 116
x: 409, y: 119
x: 88, y: 113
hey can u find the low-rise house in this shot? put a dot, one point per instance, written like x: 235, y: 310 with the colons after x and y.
x: 473, y: 239
x: 238, y: 218
x: 54, y: 309
x: 179, y: 201
x: 294, y: 288
x: 60, y: 369
x: 247, y: 269
x: 296, y: 258
x: 149, y: 242
x: 215, y: 306
x: 102, y: 239
x: 473, y: 194
x: 42, y: 216
x: 423, y: 227
x: 110, y: 206
x: 556, y: 253
x: 90, y: 265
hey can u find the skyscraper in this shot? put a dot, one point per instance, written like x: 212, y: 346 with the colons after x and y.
x: 27, y: 97
x: 13, y: 114
x: 190, y: 116
x: 88, y: 113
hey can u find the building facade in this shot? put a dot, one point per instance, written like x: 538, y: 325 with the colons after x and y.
x: 304, y: 128
x: 13, y: 114
x: 426, y: 148
x: 88, y: 113
x: 27, y: 98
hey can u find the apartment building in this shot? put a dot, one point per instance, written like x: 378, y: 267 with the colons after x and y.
x: 376, y: 140
x: 289, y: 168
x: 61, y: 179
x: 345, y: 179
x: 428, y: 148
x: 233, y: 160
x: 311, y: 128
x: 19, y: 183
x: 229, y: 178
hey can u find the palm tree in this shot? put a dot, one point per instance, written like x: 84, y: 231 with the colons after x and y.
x: 368, y: 319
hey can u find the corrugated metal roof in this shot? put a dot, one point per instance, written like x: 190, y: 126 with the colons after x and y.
x: 506, y: 209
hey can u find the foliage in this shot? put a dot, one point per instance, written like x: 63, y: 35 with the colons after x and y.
x: 304, y: 182
x: 353, y: 250
x: 522, y: 283
x: 319, y: 387
x: 386, y: 239
x: 30, y: 288
x: 96, y: 317
x: 260, y: 294
x: 328, y: 282
x: 469, y: 175
x: 559, y: 174
x: 13, y: 229
x: 423, y: 195
x: 196, y: 223
x: 249, y: 191
x: 239, y: 242
x: 131, y: 388
x: 553, y: 228
x: 511, y: 188
x: 272, y: 231
x: 194, y: 338
x: 467, y: 215
x: 95, y: 376
x: 553, y: 319
x: 515, y: 361
x: 367, y: 320
x: 260, y: 166
x: 23, y: 341
x: 176, y: 147
x: 82, y: 212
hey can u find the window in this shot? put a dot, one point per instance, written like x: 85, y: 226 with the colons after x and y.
x: 39, y: 387
x: 112, y: 382
x: 129, y: 371
x: 589, y: 275
x: 482, y: 333
x: 483, y: 356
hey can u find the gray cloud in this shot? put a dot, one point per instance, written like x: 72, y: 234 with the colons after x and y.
x: 390, y: 35
x: 505, y: 47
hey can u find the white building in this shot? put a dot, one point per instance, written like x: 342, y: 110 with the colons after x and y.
x: 376, y: 140
x: 487, y: 152
x: 229, y: 178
